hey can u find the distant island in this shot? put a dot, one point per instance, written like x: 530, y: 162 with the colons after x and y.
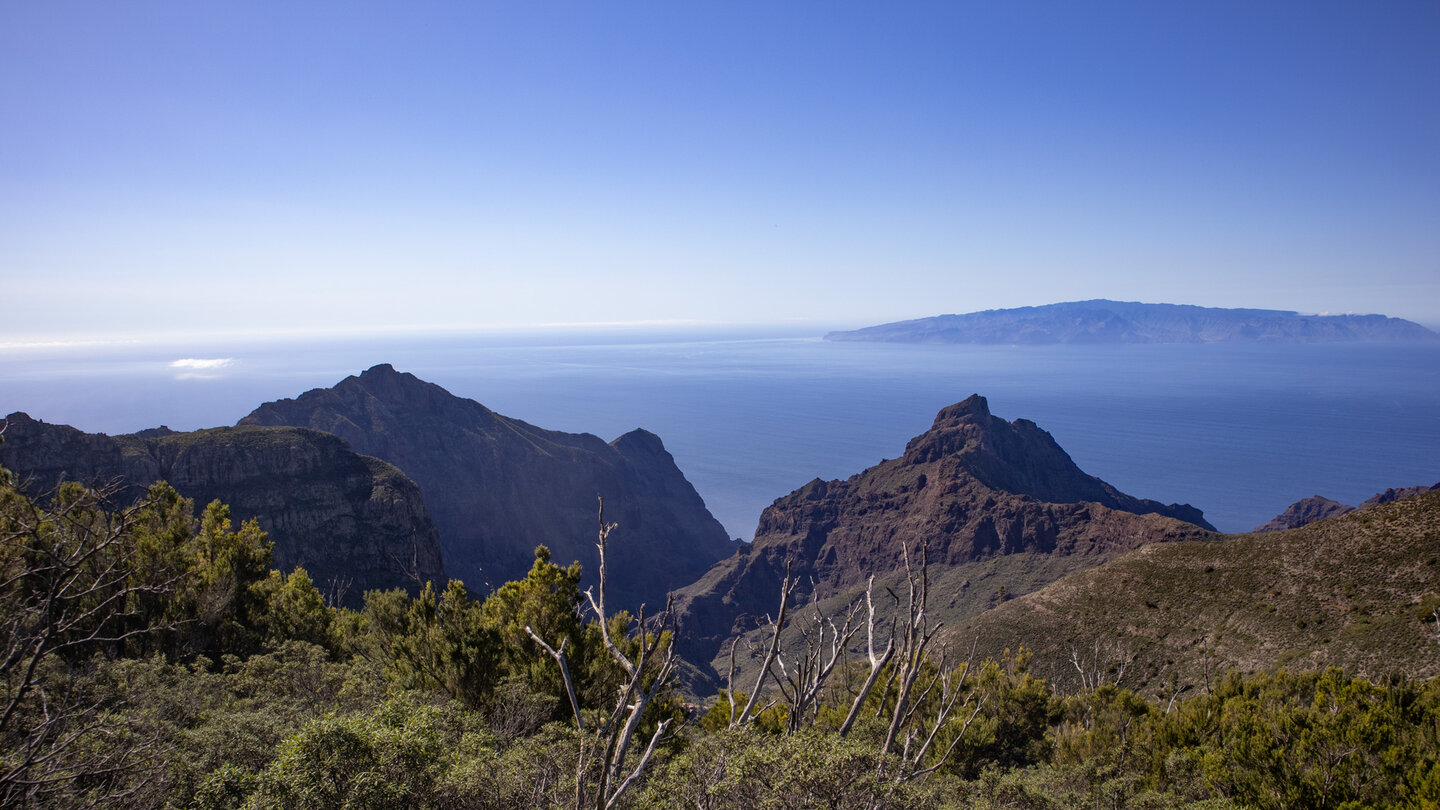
x: 1102, y: 321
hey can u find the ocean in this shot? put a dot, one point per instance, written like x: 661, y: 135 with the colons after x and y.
x: 1240, y: 431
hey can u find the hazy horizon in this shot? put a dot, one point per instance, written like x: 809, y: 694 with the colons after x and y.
x: 178, y: 170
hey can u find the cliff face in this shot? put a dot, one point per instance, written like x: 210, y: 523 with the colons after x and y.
x: 354, y: 523
x: 497, y: 487
x: 1304, y: 512
x: 971, y: 488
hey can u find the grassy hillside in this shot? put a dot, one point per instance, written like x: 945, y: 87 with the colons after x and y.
x: 1357, y: 591
x: 956, y: 594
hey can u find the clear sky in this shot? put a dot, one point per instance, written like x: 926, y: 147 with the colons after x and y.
x: 280, y: 166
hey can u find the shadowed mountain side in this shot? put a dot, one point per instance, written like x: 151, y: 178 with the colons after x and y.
x: 1102, y: 321
x: 354, y: 522
x: 1308, y: 510
x: 1394, y: 494
x: 1359, y: 591
x: 497, y: 487
x: 970, y: 488
x: 1304, y: 512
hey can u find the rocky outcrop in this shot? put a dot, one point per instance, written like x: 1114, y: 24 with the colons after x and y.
x: 1394, y: 494
x: 1102, y: 321
x: 1304, y: 512
x: 354, y: 523
x: 1309, y: 510
x: 497, y: 487
x: 972, y: 487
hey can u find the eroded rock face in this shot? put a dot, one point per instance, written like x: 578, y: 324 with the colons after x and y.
x: 972, y: 487
x: 1304, y: 512
x: 1315, y: 508
x: 1395, y: 494
x: 354, y: 523
x: 497, y: 487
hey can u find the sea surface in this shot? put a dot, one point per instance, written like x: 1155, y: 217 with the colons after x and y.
x: 1240, y: 431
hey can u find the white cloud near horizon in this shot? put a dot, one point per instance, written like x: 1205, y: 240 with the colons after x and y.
x: 201, y: 363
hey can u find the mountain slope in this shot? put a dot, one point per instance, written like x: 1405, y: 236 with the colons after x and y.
x: 1358, y: 591
x: 1304, y: 512
x: 972, y: 488
x: 1102, y: 321
x: 1316, y: 507
x: 354, y: 523
x: 497, y: 487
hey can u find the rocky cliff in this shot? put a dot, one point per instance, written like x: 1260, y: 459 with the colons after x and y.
x: 972, y: 487
x: 1316, y: 508
x: 355, y: 523
x: 1304, y: 512
x: 1102, y: 321
x: 497, y: 487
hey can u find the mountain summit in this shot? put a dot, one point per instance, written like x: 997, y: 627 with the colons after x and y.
x: 497, y: 487
x: 972, y: 488
x: 1102, y: 321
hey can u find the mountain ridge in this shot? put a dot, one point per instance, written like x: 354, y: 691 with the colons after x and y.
x: 497, y: 486
x: 353, y: 522
x: 1360, y: 590
x: 1317, y: 507
x: 1102, y: 321
x: 943, y: 492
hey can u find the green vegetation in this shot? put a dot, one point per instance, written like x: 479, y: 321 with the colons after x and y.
x: 153, y: 660
x: 1357, y: 592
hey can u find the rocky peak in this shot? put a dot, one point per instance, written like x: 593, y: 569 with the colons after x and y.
x: 1021, y: 458
x: 970, y: 488
x: 1304, y: 512
x: 1395, y: 494
x: 973, y: 408
x: 640, y: 442
x: 1315, y: 508
x: 497, y: 487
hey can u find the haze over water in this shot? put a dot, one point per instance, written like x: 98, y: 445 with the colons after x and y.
x: 1240, y: 431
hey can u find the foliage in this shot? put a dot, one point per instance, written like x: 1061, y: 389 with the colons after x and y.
x: 771, y: 719
x: 439, y: 642
x: 1314, y: 739
x: 154, y: 660
x: 391, y: 759
x: 548, y: 601
x: 742, y: 769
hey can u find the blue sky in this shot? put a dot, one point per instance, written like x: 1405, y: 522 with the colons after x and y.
x: 181, y: 167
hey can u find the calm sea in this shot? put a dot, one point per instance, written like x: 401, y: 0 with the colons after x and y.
x: 1238, y: 431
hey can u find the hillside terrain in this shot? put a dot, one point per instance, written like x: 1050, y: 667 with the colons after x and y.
x: 1317, y: 507
x: 1358, y: 591
x: 498, y: 487
x: 1102, y: 321
x: 999, y: 505
x: 353, y: 522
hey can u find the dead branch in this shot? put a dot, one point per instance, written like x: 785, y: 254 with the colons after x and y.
x: 776, y: 626
x: 615, y: 729
x: 877, y: 662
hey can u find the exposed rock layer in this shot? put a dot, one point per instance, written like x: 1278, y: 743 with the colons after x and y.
x: 1303, y: 512
x: 1315, y: 508
x: 497, y: 487
x: 354, y: 522
x: 974, y: 486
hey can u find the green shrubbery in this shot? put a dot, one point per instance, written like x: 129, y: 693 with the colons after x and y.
x: 154, y: 660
